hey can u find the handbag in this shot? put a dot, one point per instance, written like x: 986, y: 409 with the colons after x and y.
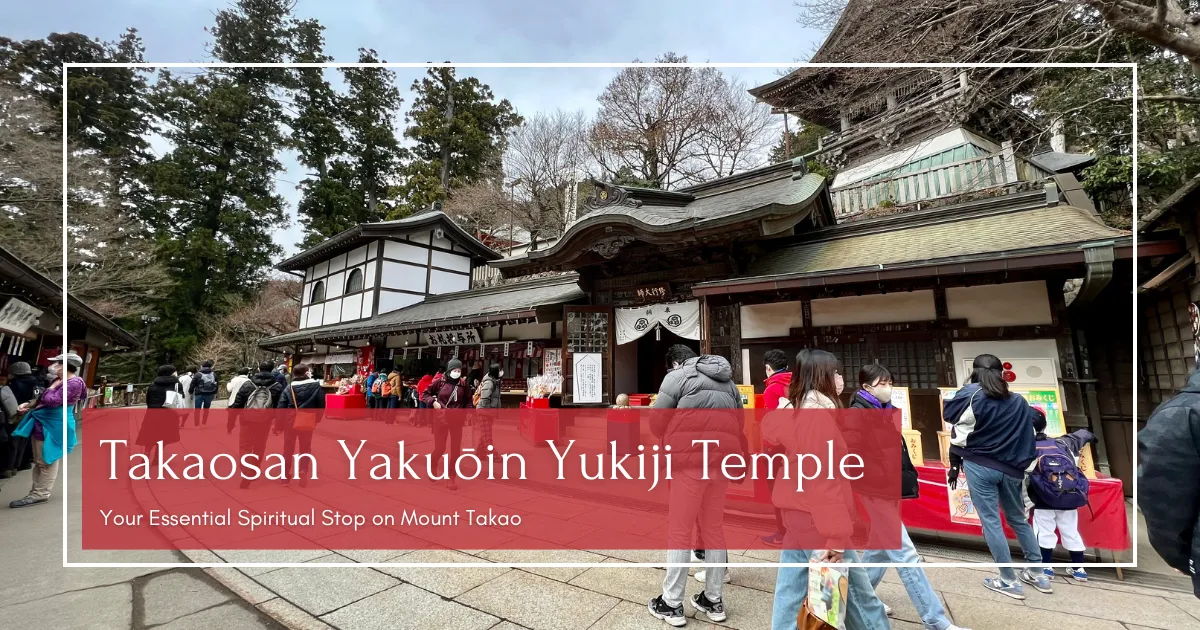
x: 806, y: 620
x: 305, y: 420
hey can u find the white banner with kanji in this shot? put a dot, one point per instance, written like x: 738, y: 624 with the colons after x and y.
x: 681, y: 318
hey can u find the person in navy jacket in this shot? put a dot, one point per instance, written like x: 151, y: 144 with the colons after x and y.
x: 992, y: 440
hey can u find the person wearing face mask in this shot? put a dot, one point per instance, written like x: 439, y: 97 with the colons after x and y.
x: 875, y: 392
x: 43, y: 426
x: 448, y: 391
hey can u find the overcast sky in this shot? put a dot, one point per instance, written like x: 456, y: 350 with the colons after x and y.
x: 465, y: 31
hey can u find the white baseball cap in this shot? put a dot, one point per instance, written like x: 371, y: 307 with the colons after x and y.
x: 70, y: 358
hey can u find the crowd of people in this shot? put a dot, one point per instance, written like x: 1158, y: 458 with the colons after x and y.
x: 998, y: 446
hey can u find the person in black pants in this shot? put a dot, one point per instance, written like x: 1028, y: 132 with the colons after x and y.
x: 303, y: 393
x: 25, y: 386
x: 448, y: 391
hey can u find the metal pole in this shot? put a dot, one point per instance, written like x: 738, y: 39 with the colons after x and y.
x: 787, y: 136
x: 145, y: 347
x: 512, y: 211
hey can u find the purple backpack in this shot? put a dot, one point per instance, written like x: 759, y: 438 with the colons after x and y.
x: 1056, y: 478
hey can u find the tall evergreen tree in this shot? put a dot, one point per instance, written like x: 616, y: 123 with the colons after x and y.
x: 217, y: 183
x: 370, y: 112
x: 459, y: 130
x: 327, y: 193
x: 803, y: 141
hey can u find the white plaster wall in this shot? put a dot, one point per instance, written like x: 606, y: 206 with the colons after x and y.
x: 444, y: 243
x: 304, y: 317
x: 451, y: 261
x: 368, y: 303
x: 335, y: 285
x: 333, y: 312
x: 369, y: 275
x: 1010, y: 304
x: 320, y: 268
x: 770, y: 320
x: 306, y: 297
x: 389, y: 301
x: 965, y: 351
x: 316, y: 314
x: 357, y: 256
x: 406, y: 252
x: 352, y: 307
x: 420, y: 237
x: 372, y: 247
x: 445, y: 282
x: 400, y: 276
x: 874, y: 309
x: 337, y: 263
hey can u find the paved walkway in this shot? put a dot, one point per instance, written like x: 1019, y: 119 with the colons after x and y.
x: 38, y: 593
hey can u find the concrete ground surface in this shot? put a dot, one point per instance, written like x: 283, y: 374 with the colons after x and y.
x: 37, y: 592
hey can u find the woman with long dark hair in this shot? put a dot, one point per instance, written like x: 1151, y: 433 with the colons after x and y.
x: 822, y: 512
x: 993, y: 442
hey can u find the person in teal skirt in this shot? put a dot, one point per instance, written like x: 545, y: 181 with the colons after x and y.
x: 43, y: 426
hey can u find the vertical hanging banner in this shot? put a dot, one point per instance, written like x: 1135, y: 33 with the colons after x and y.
x: 586, y: 377
x: 506, y: 348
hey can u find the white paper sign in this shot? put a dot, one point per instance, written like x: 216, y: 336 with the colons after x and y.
x: 17, y: 316
x: 900, y: 401
x: 586, y: 377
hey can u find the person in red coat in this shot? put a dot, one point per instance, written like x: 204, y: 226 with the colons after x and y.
x: 423, y: 385
x: 779, y: 377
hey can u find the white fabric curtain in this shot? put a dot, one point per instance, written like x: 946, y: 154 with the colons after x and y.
x: 681, y: 318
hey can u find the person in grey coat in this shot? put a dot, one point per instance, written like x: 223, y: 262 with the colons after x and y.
x: 696, y: 382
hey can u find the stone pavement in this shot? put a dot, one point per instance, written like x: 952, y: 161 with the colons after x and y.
x: 36, y: 592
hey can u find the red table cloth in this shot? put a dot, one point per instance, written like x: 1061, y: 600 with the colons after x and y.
x: 1102, y: 524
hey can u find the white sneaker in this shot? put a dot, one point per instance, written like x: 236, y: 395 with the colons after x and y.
x: 702, y: 574
x: 887, y: 610
x: 954, y: 627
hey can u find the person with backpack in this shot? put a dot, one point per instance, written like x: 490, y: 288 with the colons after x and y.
x: 368, y: 386
x: 162, y: 398
x: 260, y: 392
x: 875, y: 392
x: 304, y: 393
x: 16, y: 454
x: 1058, y: 489
x: 450, y: 391
x: 992, y: 441
x: 204, y: 388
x: 487, y: 397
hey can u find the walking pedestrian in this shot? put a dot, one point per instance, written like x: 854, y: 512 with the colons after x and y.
x: 43, y: 426
x: 778, y: 378
x: 875, y: 392
x: 396, y: 388
x: 992, y: 441
x: 822, y: 512
x: 185, y: 382
x: 1053, y: 518
x: 304, y: 393
x: 260, y: 392
x: 204, y: 389
x: 235, y: 384
x: 1169, y: 492
x: 449, y: 392
x: 162, y: 401
x: 696, y: 382
x: 423, y: 385
x: 16, y: 453
x: 489, y: 398
x: 369, y: 385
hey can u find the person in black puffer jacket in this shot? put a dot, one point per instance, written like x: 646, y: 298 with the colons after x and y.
x: 1169, y: 472
x: 704, y: 382
x: 303, y: 393
x: 254, y: 427
x: 15, y: 453
x: 161, y: 423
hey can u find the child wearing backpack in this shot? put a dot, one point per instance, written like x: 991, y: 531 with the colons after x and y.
x: 1058, y: 489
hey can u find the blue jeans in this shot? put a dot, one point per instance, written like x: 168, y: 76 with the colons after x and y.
x: 203, y: 401
x: 991, y: 492
x: 933, y: 614
x: 864, y: 611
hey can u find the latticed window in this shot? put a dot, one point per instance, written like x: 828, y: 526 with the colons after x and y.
x: 318, y: 292
x: 587, y: 332
x: 354, y: 283
x: 913, y: 364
